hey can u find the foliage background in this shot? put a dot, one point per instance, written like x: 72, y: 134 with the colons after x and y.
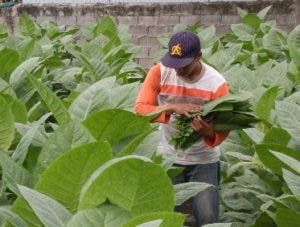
x: 72, y: 150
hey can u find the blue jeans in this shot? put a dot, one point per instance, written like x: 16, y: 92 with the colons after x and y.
x: 206, y: 203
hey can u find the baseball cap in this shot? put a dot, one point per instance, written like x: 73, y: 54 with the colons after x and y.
x: 184, y: 46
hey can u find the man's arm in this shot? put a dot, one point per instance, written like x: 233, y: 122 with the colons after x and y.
x: 146, y: 101
x: 211, y: 138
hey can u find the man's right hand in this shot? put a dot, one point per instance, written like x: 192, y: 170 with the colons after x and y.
x: 183, y: 108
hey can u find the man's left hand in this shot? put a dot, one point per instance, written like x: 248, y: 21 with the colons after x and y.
x: 203, y: 128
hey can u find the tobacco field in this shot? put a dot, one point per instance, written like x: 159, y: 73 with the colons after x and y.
x: 74, y: 153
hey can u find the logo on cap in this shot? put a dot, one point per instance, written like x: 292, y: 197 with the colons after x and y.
x: 176, y: 50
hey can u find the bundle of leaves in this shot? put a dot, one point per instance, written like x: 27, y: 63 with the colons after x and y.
x: 227, y: 113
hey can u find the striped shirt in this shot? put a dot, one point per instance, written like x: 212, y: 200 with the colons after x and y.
x: 162, y: 86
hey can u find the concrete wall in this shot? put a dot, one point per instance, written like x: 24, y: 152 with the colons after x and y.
x: 125, y: 1
x: 148, y: 21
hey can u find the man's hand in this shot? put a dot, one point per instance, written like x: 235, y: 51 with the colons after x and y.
x: 203, y: 128
x: 183, y: 108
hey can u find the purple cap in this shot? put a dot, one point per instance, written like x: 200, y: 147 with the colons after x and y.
x: 184, y: 46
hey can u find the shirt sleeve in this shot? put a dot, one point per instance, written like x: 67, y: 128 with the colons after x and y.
x: 219, y: 136
x: 146, y: 101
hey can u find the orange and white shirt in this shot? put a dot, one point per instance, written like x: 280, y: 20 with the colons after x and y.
x: 163, y: 86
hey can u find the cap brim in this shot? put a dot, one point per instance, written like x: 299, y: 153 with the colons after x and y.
x: 176, y: 63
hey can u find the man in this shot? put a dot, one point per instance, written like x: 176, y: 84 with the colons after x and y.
x: 180, y: 85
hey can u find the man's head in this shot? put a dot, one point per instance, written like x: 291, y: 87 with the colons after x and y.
x: 184, y: 47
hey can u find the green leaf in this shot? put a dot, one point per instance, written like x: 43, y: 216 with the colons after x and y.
x: 64, y: 178
x: 26, y: 48
x: 3, y: 30
x: 144, y: 188
x: 267, y: 26
x: 49, y: 211
x: 263, y: 220
x: 126, y: 100
x: 233, y: 197
x: 106, y: 125
x: 293, y: 163
x: 18, y: 108
x: 293, y: 182
x: 252, y: 183
x: 288, y: 117
x: 71, y: 171
x: 18, y: 75
x: 104, y: 94
x: 185, y: 191
x: 13, y: 173
x: 130, y: 148
x: 267, y: 156
x: 227, y: 120
x: 244, y: 32
x: 252, y: 19
x: 20, y: 152
x: 220, y: 225
x: 92, y: 99
x: 9, y: 59
x: 233, y: 216
x: 6, y: 89
x: 65, y: 138
x: 285, y: 217
x: 117, y: 51
x: 169, y: 219
x: 272, y: 182
x: 23, y: 209
x: 223, y: 58
x: 108, y: 27
x: 67, y: 77
x: 275, y: 40
x: 237, y: 167
x: 55, y: 105
x: 294, y: 98
x: 294, y: 45
x: 233, y: 144
x: 40, y: 136
x: 241, y: 12
x: 290, y: 201
x: 26, y: 26
x: 266, y: 103
x: 289, y: 106
x: 7, y: 129
x: 233, y: 98
x: 260, y: 71
x: 88, y: 50
x: 261, y: 14
x: 208, y: 36
x: 277, y: 136
x: 240, y: 79
x: 154, y: 223
x: 277, y: 76
x: 239, y: 156
x: 105, y: 215
x: 149, y: 145
x: 11, y: 217
x: 291, y: 111
x: 250, y: 137
x: 98, y: 69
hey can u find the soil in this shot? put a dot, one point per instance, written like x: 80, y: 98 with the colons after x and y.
x: 186, y: 208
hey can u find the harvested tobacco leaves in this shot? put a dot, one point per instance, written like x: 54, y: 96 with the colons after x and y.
x: 227, y: 113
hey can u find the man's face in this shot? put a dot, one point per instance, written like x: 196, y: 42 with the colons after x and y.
x: 188, y: 71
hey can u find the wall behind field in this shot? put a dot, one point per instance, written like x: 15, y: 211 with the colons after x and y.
x: 147, y: 21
